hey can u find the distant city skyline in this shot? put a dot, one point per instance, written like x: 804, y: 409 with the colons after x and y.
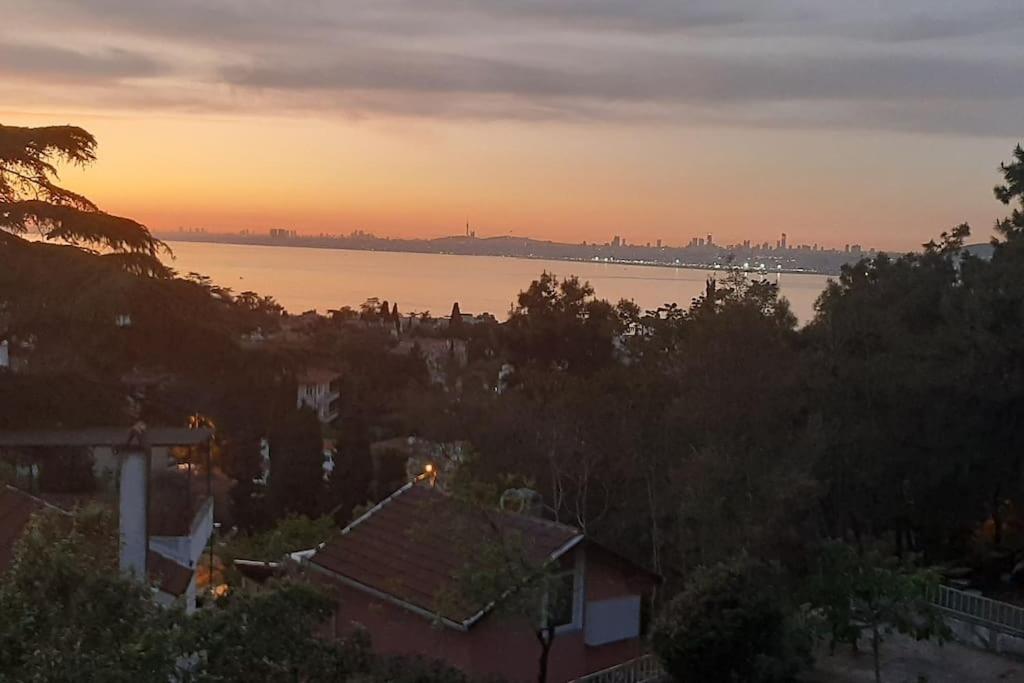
x: 782, y: 242
x: 838, y: 122
x: 700, y: 252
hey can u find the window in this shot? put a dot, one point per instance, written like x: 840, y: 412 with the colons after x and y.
x: 559, y: 599
x: 562, y: 601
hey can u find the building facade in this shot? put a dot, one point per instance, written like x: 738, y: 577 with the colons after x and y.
x: 392, y: 568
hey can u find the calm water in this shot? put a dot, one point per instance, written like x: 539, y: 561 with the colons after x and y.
x: 303, y: 279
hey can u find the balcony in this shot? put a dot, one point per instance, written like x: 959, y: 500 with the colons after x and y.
x: 646, y: 669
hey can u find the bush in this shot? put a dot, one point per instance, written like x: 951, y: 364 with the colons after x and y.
x: 730, y: 625
x: 417, y: 670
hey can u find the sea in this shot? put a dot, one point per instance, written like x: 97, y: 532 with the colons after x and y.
x: 303, y: 279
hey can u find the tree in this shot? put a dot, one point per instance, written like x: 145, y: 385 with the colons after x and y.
x: 67, y: 614
x: 270, y: 636
x: 870, y: 592
x: 730, y: 624
x: 560, y: 324
x: 351, y: 481
x: 31, y: 198
x: 501, y: 569
x: 66, y: 470
x: 296, y: 462
x: 455, y: 321
x: 1012, y: 227
x: 288, y: 535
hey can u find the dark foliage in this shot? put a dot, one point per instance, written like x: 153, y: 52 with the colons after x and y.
x: 731, y: 625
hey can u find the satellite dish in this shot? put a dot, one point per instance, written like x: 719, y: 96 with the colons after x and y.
x: 522, y: 500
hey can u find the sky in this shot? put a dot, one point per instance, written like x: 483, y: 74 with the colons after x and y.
x: 871, y: 122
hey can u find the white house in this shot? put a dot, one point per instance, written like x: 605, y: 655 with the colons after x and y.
x: 318, y: 389
x: 160, y: 543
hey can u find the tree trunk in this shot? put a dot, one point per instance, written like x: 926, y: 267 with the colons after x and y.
x: 875, y: 652
x: 997, y: 519
x: 546, y: 636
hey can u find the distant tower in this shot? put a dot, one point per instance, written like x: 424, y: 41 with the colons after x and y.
x: 709, y: 242
x: 467, y: 227
x: 782, y: 242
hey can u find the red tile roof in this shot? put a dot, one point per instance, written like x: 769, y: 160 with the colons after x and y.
x: 412, y: 546
x: 318, y: 376
x: 17, y: 507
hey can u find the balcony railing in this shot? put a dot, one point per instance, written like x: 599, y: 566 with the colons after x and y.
x: 646, y: 669
x: 1001, y: 616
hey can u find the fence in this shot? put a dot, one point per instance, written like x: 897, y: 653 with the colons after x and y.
x: 1000, y: 616
x: 646, y: 669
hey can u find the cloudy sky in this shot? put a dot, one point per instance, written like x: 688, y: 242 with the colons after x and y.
x: 834, y: 121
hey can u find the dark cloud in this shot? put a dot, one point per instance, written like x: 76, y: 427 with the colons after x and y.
x: 646, y: 16
x: 299, y: 20
x: 621, y: 76
x: 32, y: 61
x: 753, y: 62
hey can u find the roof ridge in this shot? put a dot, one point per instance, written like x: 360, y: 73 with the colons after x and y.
x: 42, y: 501
x: 372, y: 555
x: 546, y: 522
x: 369, y: 513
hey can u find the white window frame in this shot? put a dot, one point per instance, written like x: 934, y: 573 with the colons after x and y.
x: 578, y: 595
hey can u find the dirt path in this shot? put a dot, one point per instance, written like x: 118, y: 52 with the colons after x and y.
x: 907, y: 661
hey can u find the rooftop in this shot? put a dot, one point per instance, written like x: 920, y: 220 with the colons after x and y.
x: 412, y: 546
x: 317, y: 376
x: 17, y: 508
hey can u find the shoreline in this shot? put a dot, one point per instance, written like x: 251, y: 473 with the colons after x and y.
x: 192, y: 238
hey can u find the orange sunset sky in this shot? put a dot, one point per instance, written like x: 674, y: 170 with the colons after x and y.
x: 560, y: 119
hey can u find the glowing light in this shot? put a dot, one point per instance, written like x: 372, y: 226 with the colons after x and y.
x: 429, y: 468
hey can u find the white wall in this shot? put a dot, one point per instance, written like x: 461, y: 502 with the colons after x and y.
x: 187, y: 550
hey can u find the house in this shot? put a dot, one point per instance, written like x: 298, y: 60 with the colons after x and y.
x: 439, y: 354
x: 318, y: 389
x: 164, y: 524
x: 171, y: 560
x: 393, y: 567
x: 470, y: 319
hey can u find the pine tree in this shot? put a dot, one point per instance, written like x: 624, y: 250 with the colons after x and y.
x: 30, y: 198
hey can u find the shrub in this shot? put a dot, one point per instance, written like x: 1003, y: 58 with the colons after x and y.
x: 729, y: 625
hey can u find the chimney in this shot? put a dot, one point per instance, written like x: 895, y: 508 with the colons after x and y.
x: 134, y: 503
